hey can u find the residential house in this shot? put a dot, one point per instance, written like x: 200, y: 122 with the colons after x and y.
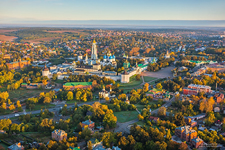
x: 196, y: 142
x: 88, y: 123
x: 154, y: 118
x: 219, y: 97
x: 59, y: 135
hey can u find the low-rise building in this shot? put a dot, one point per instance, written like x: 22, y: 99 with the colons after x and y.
x: 59, y: 135
x: 186, y: 133
x: 88, y: 123
x: 154, y: 118
x: 16, y: 146
x: 18, y: 64
x: 194, y: 89
x: 219, y: 97
x: 196, y: 142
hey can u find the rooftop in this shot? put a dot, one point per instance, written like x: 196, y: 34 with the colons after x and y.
x: 88, y: 122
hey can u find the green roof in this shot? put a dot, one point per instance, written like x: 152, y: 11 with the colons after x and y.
x: 24, y: 84
x: 77, y: 83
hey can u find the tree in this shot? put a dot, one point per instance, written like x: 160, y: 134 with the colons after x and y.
x: 183, y: 146
x: 78, y: 95
x: 179, y: 119
x: 159, y: 86
x: 69, y: 96
x: 140, y: 117
x: 45, y: 82
x: 138, y: 77
x: 210, y: 119
x: 109, y: 119
x: 47, y: 100
x: 4, y: 106
x: 145, y: 87
x: 84, y: 97
x: 3, y: 96
x: 162, y: 111
x: 168, y: 135
x: 11, y: 107
x: 89, y: 145
x: 107, y: 99
x: 18, y: 103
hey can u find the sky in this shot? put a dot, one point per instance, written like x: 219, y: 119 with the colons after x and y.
x: 23, y: 10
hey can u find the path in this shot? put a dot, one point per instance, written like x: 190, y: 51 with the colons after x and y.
x: 56, y: 108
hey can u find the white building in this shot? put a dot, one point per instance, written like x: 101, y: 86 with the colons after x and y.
x: 167, y: 55
x: 109, y: 60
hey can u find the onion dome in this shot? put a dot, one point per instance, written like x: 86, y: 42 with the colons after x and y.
x: 110, y: 57
x: 113, y: 57
x: 105, y: 57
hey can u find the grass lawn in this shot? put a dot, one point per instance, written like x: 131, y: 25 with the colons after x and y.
x: 23, y: 93
x: 38, y: 136
x: 130, y: 85
x: 4, y: 145
x: 125, y: 116
x: 148, y: 79
x: 6, y: 112
x: 140, y: 107
x: 41, y: 106
x: 59, y: 81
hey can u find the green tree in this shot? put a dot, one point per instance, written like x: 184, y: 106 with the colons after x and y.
x: 159, y: 86
x: 70, y: 96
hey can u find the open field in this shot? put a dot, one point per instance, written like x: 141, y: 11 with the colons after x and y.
x: 46, y: 39
x: 163, y: 73
x: 130, y: 85
x: 6, y: 30
x: 4, y: 145
x: 63, y: 31
x: 7, y: 38
x: 23, y: 93
x: 148, y: 79
x: 124, y: 116
x: 38, y: 136
x: 140, y: 107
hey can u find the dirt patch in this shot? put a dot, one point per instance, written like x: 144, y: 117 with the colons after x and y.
x: 7, y: 38
x: 6, y: 30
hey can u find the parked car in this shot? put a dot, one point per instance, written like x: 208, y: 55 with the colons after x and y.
x: 17, y: 115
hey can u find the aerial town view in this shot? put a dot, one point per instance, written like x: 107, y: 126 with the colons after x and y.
x: 112, y: 75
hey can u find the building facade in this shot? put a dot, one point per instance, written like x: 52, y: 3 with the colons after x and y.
x: 194, y: 89
x: 59, y: 135
x: 186, y: 133
x: 18, y: 64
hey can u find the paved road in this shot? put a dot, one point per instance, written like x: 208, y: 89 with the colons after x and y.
x: 57, y: 107
x: 125, y: 127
